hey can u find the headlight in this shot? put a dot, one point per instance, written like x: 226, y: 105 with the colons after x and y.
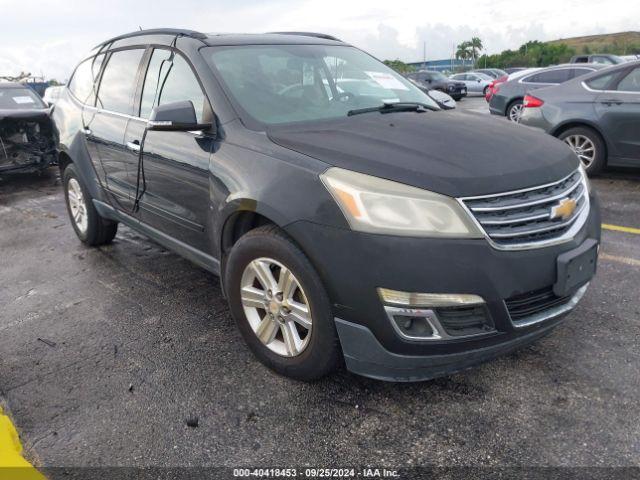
x: 376, y: 205
x: 585, y: 177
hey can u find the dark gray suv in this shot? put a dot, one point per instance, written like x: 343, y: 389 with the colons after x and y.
x: 348, y: 218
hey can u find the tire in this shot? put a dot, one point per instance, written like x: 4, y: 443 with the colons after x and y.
x: 93, y: 230
x: 581, y: 140
x: 512, y: 110
x: 321, y: 353
x: 485, y: 91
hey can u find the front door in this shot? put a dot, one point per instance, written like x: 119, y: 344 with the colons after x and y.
x: 176, y: 164
x: 619, y: 112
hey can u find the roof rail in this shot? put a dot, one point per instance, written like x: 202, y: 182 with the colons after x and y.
x: 309, y: 34
x: 157, y: 31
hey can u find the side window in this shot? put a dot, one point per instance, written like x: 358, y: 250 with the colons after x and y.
x: 118, y: 83
x: 631, y: 82
x: 601, y: 82
x: 170, y: 80
x: 81, y: 84
x: 554, y: 77
x: 578, y: 72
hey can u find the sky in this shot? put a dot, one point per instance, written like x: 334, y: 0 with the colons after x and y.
x: 48, y: 37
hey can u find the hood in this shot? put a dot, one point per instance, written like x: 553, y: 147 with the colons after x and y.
x: 34, y: 115
x: 453, y: 153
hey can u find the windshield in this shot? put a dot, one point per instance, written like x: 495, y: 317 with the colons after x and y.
x: 19, y: 99
x: 275, y: 84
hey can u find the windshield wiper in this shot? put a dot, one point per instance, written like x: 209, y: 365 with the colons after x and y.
x: 393, y: 107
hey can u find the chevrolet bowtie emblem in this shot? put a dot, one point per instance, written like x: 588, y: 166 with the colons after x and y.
x: 564, y: 209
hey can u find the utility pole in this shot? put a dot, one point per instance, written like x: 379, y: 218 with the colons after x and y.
x: 424, y: 55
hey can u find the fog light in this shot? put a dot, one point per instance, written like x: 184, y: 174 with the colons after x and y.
x: 409, y: 299
x: 413, y: 327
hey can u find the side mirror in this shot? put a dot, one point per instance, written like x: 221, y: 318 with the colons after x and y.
x: 175, y: 117
x: 478, y: 80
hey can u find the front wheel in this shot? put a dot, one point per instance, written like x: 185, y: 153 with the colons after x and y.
x: 280, y: 305
x: 90, y: 227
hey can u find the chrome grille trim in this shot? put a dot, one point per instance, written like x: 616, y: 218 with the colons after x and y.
x: 521, y: 219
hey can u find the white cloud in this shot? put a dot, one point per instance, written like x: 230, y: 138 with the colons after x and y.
x: 52, y: 40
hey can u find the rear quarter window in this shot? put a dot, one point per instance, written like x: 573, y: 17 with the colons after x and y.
x: 601, y: 82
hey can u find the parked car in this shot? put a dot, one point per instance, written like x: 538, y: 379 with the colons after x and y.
x: 403, y: 240
x: 495, y: 85
x: 51, y: 94
x: 476, y: 82
x: 27, y: 143
x: 438, y: 81
x: 443, y: 100
x: 492, y: 72
x: 603, y: 58
x: 508, y: 97
x: 597, y: 115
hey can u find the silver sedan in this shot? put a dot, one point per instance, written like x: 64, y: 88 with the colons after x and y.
x: 475, y: 82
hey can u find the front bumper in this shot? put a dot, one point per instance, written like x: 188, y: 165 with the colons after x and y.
x: 353, y: 265
x: 364, y: 355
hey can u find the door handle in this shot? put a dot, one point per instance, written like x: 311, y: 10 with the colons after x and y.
x: 135, y: 146
x: 611, y: 101
x: 86, y: 130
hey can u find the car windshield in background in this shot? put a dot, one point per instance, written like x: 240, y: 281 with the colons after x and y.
x: 275, y: 84
x: 19, y: 99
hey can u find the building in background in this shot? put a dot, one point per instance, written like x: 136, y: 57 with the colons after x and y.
x: 445, y: 66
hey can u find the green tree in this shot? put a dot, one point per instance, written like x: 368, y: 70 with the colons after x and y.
x: 463, y: 51
x: 399, y: 66
x: 476, y: 46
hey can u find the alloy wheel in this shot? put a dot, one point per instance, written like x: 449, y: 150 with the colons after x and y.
x: 515, y: 112
x: 77, y: 205
x: 276, y: 307
x: 584, y: 148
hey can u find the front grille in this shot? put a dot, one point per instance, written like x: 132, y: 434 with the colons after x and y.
x: 524, y: 218
x: 531, y: 303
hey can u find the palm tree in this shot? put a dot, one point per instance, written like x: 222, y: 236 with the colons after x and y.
x: 476, y: 46
x: 463, y: 51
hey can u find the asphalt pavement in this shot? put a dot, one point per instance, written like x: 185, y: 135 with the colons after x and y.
x: 107, y: 352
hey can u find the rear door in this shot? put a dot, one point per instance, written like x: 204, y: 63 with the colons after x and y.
x: 106, y: 123
x: 176, y: 164
x: 618, y: 109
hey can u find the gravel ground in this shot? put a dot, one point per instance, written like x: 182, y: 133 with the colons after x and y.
x: 106, y: 352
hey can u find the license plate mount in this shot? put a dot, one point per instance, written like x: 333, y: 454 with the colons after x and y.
x: 576, y: 267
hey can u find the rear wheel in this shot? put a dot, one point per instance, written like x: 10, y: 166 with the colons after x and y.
x: 280, y: 305
x: 485, y: 91
x: 514, y: 110
x: 90, y: 227
x: 588, y: 146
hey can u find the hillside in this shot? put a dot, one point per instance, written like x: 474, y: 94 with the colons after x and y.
x: 621, y: 43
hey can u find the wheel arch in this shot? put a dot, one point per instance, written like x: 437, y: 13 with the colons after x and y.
x: 510, y: 103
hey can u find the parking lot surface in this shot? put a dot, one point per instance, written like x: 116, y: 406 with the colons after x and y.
x: 107, y: 352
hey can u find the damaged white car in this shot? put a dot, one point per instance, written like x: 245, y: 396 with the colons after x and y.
x: 27, y: 141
